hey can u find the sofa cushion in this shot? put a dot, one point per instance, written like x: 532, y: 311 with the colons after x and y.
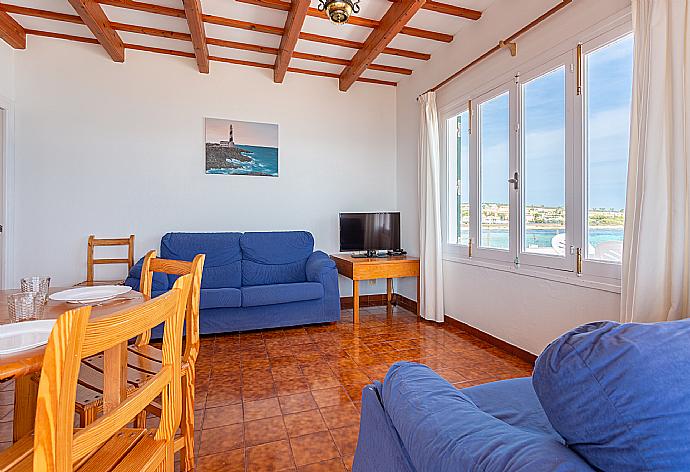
x: 220, y: 298
x: 514, y: 402
x: 275, y: 257
x: 444, y: 430
x: 618, y: 393
x: 222, y: 267
x: 260, y: 295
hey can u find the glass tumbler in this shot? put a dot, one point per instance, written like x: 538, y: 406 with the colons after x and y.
x: 39, y: 285
x: 25, y: 306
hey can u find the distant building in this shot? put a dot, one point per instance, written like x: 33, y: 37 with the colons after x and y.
x: 230, y: 143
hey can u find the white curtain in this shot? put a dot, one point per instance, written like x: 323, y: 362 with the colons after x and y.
x: 430, y: 248
x: 656, y: 250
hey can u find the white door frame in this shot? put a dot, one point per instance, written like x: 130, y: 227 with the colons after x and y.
x: 7, y: 205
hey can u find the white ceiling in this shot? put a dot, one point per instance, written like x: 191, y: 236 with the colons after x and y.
x: 372, y: 9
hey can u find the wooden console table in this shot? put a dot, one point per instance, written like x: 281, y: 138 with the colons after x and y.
x: 366, y: 268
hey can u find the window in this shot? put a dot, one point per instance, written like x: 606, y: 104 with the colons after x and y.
x: 544, y: 157
x: 608, y: 95
x: 542, y: 180
x: 459, y: 152
x: 494, y: 170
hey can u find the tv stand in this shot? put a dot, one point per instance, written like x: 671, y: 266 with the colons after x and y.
x: 370, y: 268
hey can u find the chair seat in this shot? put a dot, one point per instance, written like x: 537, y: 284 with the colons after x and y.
x: 129, y: 449
x: 261, y: 295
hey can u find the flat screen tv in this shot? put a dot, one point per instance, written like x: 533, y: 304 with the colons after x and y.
x: 369, y: 231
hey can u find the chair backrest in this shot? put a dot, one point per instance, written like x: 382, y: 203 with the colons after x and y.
x: 74, y: 337
x: 94, y: 242
x: 154, y: 264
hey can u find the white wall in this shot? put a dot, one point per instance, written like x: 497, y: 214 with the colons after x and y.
x: 524, y: 311
x: 6, y: 71
x: 114, y: 149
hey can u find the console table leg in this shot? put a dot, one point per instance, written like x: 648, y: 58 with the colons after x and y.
x: 355, y: 301
x: 389, y: 292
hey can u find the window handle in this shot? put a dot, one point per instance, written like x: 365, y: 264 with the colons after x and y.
x: 515, y: 181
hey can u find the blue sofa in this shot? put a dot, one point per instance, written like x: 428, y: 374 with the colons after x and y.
x: 605, y: 396
x: 253, y: 280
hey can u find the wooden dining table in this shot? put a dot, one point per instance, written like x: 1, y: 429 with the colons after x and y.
x: 21, y: 365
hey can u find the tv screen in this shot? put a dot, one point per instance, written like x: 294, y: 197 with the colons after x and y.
x: 369, y: 231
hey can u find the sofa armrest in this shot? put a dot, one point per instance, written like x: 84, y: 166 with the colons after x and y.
x: 318, y: 265
x: 160, y: 281
x: 442, y: 429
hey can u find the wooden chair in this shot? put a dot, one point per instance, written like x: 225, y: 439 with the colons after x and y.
x: 107, y: 444
x: 91, y: 261
x: 144, y: 359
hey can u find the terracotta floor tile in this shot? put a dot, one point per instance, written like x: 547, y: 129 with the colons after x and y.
x: 270, y: 456
x: 340, y: 416
x: 291, y: 386
x: 264, y: 431
x: 331, y: 397
x: 312, y: 448
x: 225, y: 438
x: 346, y: 439
x: 222, y: 416
x: 297, y: 402
x: 258, y: 409
x: 230, y: 461
x: 304, y: 422
x: 333, y: 465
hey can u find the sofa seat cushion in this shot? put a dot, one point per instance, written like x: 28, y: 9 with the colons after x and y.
x: 618, y: 393
x: 222, y: 267
x: 220, y: 298
x: 260, y: 295
x: 275, y: 257
x: 443, y: 430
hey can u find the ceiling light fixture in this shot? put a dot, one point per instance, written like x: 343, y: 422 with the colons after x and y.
x: 339, y: 11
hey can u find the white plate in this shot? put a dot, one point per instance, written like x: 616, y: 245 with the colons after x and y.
x: 17, y: 337
x: 87, y: 295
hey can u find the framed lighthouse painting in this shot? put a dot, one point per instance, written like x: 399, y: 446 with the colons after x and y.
x: 241, y: 148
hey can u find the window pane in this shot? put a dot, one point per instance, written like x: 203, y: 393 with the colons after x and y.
x: 463, y: 185
x: 608, y: 93
x: 494, y: 165
x: 544, y: 164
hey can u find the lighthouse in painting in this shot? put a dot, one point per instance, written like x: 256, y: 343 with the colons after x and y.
x: 230, y: 143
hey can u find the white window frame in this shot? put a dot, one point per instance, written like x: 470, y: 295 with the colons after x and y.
x: 494, y: 254
x: 567, y: 262
x: 596, y: 274
x: 590, y: 267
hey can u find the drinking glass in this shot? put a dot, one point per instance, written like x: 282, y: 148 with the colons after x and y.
x: 25, y: 306
x: 36, y: 284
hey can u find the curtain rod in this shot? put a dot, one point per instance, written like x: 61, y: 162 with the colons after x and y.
x: 506, y: 43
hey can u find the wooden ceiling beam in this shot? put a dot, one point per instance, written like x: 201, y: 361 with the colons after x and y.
x: 160, y: 33
x: 96, y: 20
x: 190, y: 55
x: 12, y: 32
x: 293, y: 27
x: 245, y: 25
x: 448, y: 9
x: 392, y: 22
x: 192, y: 10
x: 354, y: 20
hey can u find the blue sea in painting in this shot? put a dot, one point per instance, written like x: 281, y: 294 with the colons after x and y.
x: 264, y: 161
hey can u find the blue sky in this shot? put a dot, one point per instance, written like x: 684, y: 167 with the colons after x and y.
x: 609, y: 84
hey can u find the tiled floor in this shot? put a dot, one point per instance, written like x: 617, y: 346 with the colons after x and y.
x: 289, y: 399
